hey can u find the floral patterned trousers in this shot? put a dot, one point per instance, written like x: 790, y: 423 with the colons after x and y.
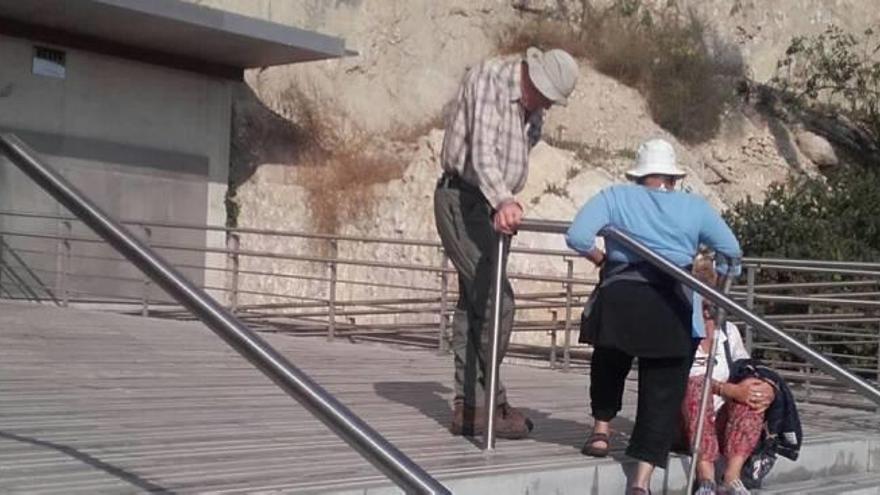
x: 735, y: 429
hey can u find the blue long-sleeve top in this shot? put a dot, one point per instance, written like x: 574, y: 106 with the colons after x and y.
x: 671, y: 223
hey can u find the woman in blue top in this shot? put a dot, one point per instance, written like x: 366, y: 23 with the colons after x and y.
x: 640, y: 311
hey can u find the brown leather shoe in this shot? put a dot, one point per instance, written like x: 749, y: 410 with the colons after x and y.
x: 466, y: 420
x: 511, y: 423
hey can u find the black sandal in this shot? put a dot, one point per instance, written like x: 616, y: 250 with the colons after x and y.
x: 593, y: 451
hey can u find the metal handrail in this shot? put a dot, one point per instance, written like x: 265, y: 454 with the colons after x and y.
x: 307, y: 258
x: 491, y: 388
x: 369, y: 443
x: 803, y: 351
x: 841, y: 265
x: 278, y: 233
x: 705, y: 393
x: 561, y: 300
x: 867, y: 268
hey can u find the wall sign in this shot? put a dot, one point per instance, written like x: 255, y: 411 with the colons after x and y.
x: 49, y: 62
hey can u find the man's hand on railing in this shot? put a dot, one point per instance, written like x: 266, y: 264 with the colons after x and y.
x: 508, y: 217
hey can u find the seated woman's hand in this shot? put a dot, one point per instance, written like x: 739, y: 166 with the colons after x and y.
x: 765, y: 393
x: 755, y: 393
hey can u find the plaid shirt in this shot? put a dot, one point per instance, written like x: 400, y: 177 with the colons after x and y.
x: 488, y: 135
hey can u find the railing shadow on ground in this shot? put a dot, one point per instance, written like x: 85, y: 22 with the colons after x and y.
x: 363, y: 439
x: 126, y: 476
x: 36, y: 291
x: 430, y: 400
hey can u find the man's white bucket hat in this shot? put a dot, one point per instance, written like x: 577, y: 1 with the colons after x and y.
x: 655, y: 157
x: 554, y: 73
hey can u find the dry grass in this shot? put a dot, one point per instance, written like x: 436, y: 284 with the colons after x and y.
x: 338, y: 166
x: 544, y: 33
x: 588, y: 153
x: 340, y: 185
x: 410, y: 133
x: 336, y: 163
x: 685, y: 72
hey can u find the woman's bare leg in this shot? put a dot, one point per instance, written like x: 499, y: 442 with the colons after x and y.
x: 602, y: 427
x: 706, y: 470
x: 742, y: 431
x: 642, y: 479
x: 734, y: 467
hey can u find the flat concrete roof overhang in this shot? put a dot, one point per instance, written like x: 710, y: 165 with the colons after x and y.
x: 167, y: 32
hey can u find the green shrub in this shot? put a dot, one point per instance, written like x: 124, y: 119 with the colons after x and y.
x: 829, y: 82
x: 814, y: 218
x: 833, y: 74
x: 834, y: 219
x: 832, y: 82
x: 834, y: 71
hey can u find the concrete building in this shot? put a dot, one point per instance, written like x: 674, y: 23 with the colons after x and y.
x: 131, y: 100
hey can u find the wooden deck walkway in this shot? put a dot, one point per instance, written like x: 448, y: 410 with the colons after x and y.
x: 102, y: 403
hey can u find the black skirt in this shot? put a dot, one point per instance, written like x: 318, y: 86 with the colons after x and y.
x: 643, y: 320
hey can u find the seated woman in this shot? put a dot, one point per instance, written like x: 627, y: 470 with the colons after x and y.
x: 735, y: 417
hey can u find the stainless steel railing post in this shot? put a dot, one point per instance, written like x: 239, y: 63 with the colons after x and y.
x: 64, y: 263
x: 333, y: 268
x: 491, y: 382
x: 751, y: 271
x: 442, y: 340
x: 705, y: 392
x: 145, y: 295
x: 324, y: 406
x: 233, y: 242
x: 554, y: 321
x: 2, y: 258
x: 569, y: 289
x: 877, y: 375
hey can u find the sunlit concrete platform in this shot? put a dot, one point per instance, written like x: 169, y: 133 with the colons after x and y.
x: 95, y: 402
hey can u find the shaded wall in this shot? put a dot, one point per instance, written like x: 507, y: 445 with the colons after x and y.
x: 143, y: 142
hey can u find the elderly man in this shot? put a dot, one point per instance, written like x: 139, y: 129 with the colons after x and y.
x: 497, y: 119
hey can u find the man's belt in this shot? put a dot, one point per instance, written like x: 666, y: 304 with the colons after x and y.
x: 451, y: 180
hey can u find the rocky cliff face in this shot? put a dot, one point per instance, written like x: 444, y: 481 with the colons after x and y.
x: 411, y: 54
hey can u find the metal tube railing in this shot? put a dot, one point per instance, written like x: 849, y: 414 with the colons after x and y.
x: 721, y: 300
x: 706, y: 393
x: 372, y: 446
x: 491, y: 382
x: 800, y: 263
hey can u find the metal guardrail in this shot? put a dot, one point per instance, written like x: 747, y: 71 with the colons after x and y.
x: 360, y: 436
x: 305, y: 298
x: 271, y: 286
x: 706, y: 393
x: 400, y: 290
x: 237, y: 271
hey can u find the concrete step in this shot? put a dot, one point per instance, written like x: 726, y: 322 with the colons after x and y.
x: 833, y: 458
x: 850, y: 484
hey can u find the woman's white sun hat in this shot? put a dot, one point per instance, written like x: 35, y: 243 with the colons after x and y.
x: 655, y: 157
